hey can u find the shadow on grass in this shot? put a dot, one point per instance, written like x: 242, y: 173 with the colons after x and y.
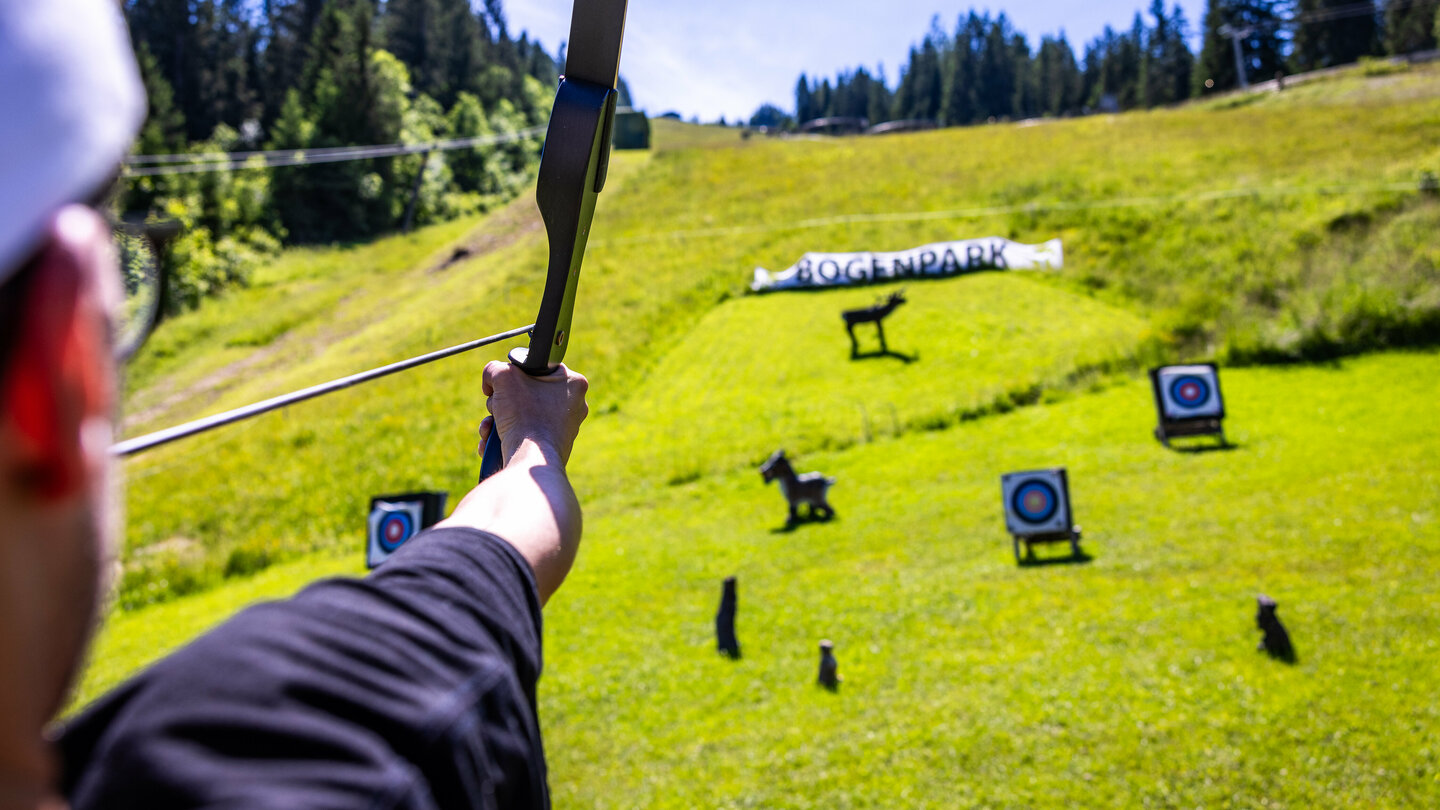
x: 1032, y: 561
x: 1289, y: 659
x: 792, y: 525
x: 907, y: 359
x: 1206, y: 448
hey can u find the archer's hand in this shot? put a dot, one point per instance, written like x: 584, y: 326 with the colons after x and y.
x: 545, y: 410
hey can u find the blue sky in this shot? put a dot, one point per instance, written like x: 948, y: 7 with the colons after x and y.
x: 727, y: 58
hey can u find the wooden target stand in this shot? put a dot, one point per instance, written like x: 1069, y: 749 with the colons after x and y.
x: 1169, y: 429
x: 1072, y: 537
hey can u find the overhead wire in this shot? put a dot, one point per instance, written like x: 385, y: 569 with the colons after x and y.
x: 1361, y: 9
x: 154, y: 165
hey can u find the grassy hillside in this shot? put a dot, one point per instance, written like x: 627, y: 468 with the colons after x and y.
x: 762, y: 372
x: 1131, y: 679
x: 1252, y: 229
x: 1290, y: 267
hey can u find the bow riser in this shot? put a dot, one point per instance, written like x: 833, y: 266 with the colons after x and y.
x: 572, y: 173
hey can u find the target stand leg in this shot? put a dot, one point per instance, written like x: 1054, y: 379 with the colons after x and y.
x: 1017, y: 548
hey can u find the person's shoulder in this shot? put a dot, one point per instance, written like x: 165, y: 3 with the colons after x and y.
x: 429, y: 665
x: 457, y: 580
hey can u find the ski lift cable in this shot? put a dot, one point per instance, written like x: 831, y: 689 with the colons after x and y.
x: 152, y: 165
x: 1362, y: 9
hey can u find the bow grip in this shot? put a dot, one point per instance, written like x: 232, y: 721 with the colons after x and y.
x: 492, y: 460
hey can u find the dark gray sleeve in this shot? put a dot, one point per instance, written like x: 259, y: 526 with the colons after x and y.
x: 414, y: 688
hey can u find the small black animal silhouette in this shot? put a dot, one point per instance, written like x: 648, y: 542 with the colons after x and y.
x: 829, y: 667
x: 809, y: 488
x: 875, y: 315
x: 725, y: 640
x: 1276, y: 641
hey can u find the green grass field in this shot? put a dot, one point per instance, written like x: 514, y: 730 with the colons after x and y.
x: 1131, y: 679
x: 1279, y: 227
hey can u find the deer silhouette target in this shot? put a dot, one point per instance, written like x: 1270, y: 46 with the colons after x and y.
x: 876, y: 315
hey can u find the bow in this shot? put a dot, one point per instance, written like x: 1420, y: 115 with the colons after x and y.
x: 573, y: 165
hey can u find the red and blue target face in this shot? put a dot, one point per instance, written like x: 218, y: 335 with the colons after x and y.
x: 1035, y: 502
x: 1189, y: 392
x: 392, y: 524
x: 395, y: 529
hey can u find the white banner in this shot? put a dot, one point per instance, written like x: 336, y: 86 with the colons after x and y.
x: 931, y: 261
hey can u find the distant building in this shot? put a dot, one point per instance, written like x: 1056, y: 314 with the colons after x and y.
x: 905, y: 125
x: 632, y: 129
x: 835, y: 125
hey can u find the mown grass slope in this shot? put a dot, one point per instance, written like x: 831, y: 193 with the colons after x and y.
x: 761, y: 372
x: 1131, y: 679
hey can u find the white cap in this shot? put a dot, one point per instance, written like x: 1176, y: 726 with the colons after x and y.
x: 71, y: 102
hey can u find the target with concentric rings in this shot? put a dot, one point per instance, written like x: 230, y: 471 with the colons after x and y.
x: 1035, y: 501
x: 395, y: 529
x: 1190, y: 391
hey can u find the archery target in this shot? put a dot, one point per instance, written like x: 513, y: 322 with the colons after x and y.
x: 395, y: 528
x: 392, y: 524
x: 1036, y: 502
x: 1189, y: 392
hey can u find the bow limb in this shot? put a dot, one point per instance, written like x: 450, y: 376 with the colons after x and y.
x: 573, y: 167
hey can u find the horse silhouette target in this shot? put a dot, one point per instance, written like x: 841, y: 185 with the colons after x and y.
x: 395, y: 519
x: 1036, y: 502
x: 1189, y: 392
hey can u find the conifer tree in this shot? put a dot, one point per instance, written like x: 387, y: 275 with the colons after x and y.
x: 996, y: 77
x: 958, y: 105
x: 287, y: 29
x: 804, y: 102
x: 1322, y: 43
x: 1166, y: 61
x: 877, y: 105
x: 1263, y: 47
x: 1410, y: 28
x: 164, y: 131
x: 1058, y: 77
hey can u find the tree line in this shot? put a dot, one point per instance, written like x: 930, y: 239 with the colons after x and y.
x: 236, y: 75
x: 985, y: 70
